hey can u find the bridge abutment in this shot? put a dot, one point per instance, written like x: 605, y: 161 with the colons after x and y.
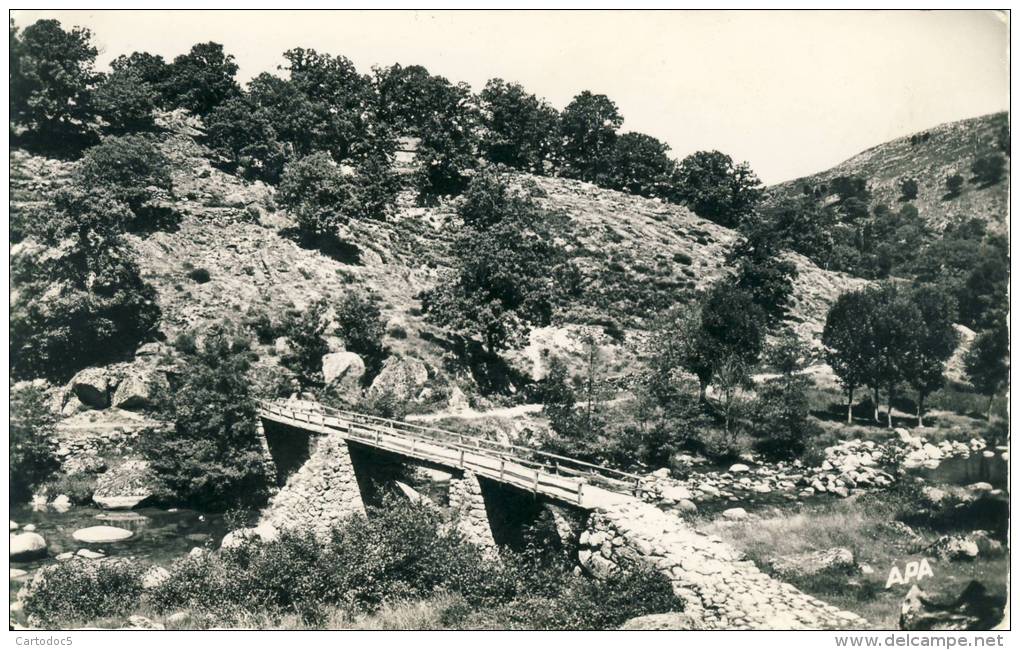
x: 467, y: 506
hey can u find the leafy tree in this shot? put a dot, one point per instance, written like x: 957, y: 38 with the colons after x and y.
x: 125, y: 101
x: 213, y: 460
x: 149, y: 68
x: 319, y: 194
x: 908, y: 189
x: 853, y: 197
x: 447, y: 152
x: 984, y: 293
x: 305, y: 332
x: 338, y: 103
x: 502, y: 281
x: 410, y: 97
x: 243, y: 135
x: 518, y: 129
x: 32, y: 425
x: 77, y: 297
x: 896, y: 330
x: 361, y: 324
x: 762, y: 272
x: 201, y: 79
x: 989, y: 170
x: 987, y: 362
x: 954, y: 184
x: 640, y: 164
x: 301, y: 124
x: 781, y: 408
x: 588, y: 127
x: 50, y: 77
x: 133, y: 171
x: 936, y: 342
x: 711, y: 185
x: 849, y: 344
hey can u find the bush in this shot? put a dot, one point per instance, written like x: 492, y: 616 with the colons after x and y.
x: 953, y: 185
x: 200, y: 276
x: 319, y: 195
x: 125, y: 101
x: 128, y: 168
x: 989, y: 169
x: 304, y: 331
x: 84, y: 590
x: 361, y: 325
x: 32, y: 425
x: 213, y: 460
x: 78, y: 486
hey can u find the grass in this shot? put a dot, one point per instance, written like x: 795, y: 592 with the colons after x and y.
x: 863, y: 526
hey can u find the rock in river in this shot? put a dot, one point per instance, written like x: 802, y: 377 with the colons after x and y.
x: 975, y: 609
x: 101, y: 534
x: 27, y: 546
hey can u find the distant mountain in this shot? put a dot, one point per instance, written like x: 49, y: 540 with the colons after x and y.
x: 929, y: 157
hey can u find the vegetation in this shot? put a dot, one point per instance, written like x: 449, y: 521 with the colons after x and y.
x: 213, y: 460
x: 31, y: 458
x: 715, y: 188
x: 780, y: 412
x: 987, y: 362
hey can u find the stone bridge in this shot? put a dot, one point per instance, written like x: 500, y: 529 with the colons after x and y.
x: 331, y: 463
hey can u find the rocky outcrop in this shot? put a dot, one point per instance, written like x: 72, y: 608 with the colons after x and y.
x: 715, y: 582
x: 27, y: 546
x: 954, y: 548
x: 92, y: 387
x: 137, y: 389
x: 815, y: 562
x: 125, y: 486
x: 974, y: 609
x: 401, y: 377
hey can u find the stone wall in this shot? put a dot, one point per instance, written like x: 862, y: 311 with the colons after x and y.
x: 467, y: 507
x: 716, y: 583
x: 321, y: 493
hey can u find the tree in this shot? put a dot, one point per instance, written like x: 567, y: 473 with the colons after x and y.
x: 125, y: 101
x: 954, y: 183
x: 987, y: 362
x: 77, y: 297
x: 711, y: 185
x: 305, y: 332
x: 149, y: 68
x: 361, y: 325
x: 201, y: 79
x: 243, y: 135
x: 781, y: 407
x: 988, y: 170
x: 848, y: 342
x: 214, y: 459
x: 319, y: 194
x: 896, y: 330
x: 133, y: 171
x: 50, y: 78
x: 588, y: 129
x: 762, y: 272
x: 640, y: 164
x: 447, y: 152
x: 502, y: 280
x: 32, y: 426
x: 518, y: 129
x: 936, y: 342
x: 908, y: 189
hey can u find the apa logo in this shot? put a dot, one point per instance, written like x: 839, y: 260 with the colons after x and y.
x: 912, y: 571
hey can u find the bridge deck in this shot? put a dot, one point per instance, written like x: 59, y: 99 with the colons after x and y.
x: 582, y: 484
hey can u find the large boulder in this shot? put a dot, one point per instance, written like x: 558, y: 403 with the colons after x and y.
x: 101, y: 534
x: 136, y: 389
x: 401, y: 377
x: 125, y: 486
x: 27, y: 546
x: 92, y: 387
x: 975, y: 609
x: 343, y: 370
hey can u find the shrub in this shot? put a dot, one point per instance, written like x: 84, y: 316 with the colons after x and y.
x: 682, y: 258
x: 128, y: 167
x: 125, y: 101
x: 200, y: 276
x: 213, y: 460
x: 84, y: 590
x: 304, y: 331
x: 908, y: 189
x: 78, y: 486
x: 953, y: 185
x: 361, y: 325
x: 319, y: 195
x: 989, y: 170
x: 31, y: 459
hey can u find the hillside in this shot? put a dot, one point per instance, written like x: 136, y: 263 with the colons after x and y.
x: 637, y: 257
x: 929, y: 157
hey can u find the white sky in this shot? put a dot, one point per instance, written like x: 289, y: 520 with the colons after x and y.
x: 790, y: 92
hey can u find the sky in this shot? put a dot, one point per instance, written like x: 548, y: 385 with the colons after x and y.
x: 791, y: 93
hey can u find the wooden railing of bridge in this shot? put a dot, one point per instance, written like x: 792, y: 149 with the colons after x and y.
x: 523, y: 467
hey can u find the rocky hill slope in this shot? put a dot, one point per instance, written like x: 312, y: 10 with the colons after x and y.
x: 929, y: 157
x: 637, y: 256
